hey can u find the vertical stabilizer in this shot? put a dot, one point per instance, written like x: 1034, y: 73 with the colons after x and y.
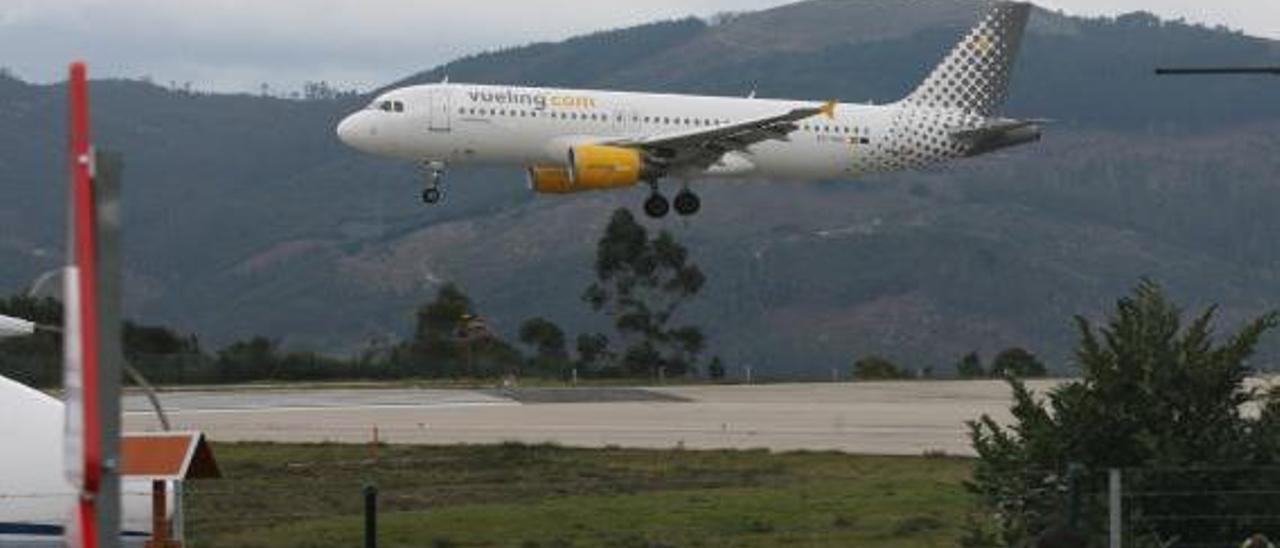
x: 975, y: 75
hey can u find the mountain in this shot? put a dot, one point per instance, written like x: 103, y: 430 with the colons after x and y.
x: 245, y: 216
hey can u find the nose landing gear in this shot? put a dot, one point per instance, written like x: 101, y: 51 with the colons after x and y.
x: 434, y: 192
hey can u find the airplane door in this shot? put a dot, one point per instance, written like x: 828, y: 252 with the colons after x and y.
x: 441, y: 118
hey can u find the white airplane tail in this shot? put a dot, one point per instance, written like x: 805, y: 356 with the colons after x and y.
x: 975, y: 75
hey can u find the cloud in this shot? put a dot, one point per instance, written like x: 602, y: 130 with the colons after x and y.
x: 234, y: 45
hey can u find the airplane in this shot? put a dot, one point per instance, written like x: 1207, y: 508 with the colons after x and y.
x: 573, y: 140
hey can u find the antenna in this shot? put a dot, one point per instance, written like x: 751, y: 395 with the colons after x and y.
x: 1219, y: 70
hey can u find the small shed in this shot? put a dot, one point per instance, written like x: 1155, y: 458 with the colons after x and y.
x: 164, y: 458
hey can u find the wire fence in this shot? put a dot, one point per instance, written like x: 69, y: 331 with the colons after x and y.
x: 1190, y: 507
x: 1198, y: 506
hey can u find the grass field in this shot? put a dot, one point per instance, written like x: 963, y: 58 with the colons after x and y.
x: 548, y: 496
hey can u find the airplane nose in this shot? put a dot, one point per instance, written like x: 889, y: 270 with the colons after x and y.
x: 348, y: 131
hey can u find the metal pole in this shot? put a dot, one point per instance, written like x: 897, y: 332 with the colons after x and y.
x: 1115, y: 507
x: 106, y: 194
x: 1074, y: 496
x: 370, y: 516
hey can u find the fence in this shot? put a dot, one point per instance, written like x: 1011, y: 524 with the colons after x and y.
x: 1192, y: 507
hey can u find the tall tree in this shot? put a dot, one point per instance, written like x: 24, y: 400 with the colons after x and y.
x: 435, y: 348
x: 641, y: 284
x: 1153, y: 394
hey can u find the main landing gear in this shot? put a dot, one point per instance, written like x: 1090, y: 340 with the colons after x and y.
x: 435, y: 182
x: 686, y: 203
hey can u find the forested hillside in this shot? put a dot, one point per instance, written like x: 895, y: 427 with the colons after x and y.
x: 246, y: 216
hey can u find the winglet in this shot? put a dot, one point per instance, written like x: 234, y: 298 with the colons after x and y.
x: 829, y: 108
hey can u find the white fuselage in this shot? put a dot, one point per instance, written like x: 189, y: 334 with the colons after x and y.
x: 476, y: 124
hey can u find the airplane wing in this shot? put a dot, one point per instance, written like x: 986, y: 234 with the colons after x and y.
x: 702, y: 148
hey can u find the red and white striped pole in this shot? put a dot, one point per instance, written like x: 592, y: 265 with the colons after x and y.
x: 83, y: 458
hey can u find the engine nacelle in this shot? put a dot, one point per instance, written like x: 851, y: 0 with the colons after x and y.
x: 590, y: 167
x: 550, y: 180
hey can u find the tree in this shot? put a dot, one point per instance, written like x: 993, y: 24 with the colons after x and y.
x: 253, y: 359
x: 716, y: 369
x: 1153, y: 393
x: 970, y: 367
x: 593, y: 353
x: 641, y: 284
x: 161, y: 354
x: 544, y: 336
x: 1017, y: 362
x: 548, y: 343
x: 876, y: 368
x: 435, y: 343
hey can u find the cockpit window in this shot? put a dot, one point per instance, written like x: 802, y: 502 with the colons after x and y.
x: 388, y: 106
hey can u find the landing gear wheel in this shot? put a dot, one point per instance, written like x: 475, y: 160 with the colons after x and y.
x: 687, y: 203
x: 657, y: 206
x: 435, y: 180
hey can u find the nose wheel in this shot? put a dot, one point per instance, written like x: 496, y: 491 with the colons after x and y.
x: 434, y: 192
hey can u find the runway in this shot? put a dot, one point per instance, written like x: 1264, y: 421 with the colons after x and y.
x: 890, y: 418
x: 893, y: 418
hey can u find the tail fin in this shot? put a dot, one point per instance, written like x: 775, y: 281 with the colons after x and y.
x: 975, y: 75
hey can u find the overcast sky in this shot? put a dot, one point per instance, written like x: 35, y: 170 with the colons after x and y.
x: 235, y: 45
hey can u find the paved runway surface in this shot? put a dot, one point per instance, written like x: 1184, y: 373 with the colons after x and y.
x: 882, y: 418
x: 894, y: 418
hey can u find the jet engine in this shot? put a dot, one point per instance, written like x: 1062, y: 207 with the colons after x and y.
x: 590, y: 167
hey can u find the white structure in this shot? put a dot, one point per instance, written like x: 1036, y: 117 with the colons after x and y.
x: 35, y: 497
x: 14, y: 327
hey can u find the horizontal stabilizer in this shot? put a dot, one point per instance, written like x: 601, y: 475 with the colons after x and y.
x: 995, y: 128
x: 998, y: 134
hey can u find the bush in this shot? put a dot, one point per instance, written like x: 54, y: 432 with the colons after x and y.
x: 1152, y: 393
x: 873, y: 368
